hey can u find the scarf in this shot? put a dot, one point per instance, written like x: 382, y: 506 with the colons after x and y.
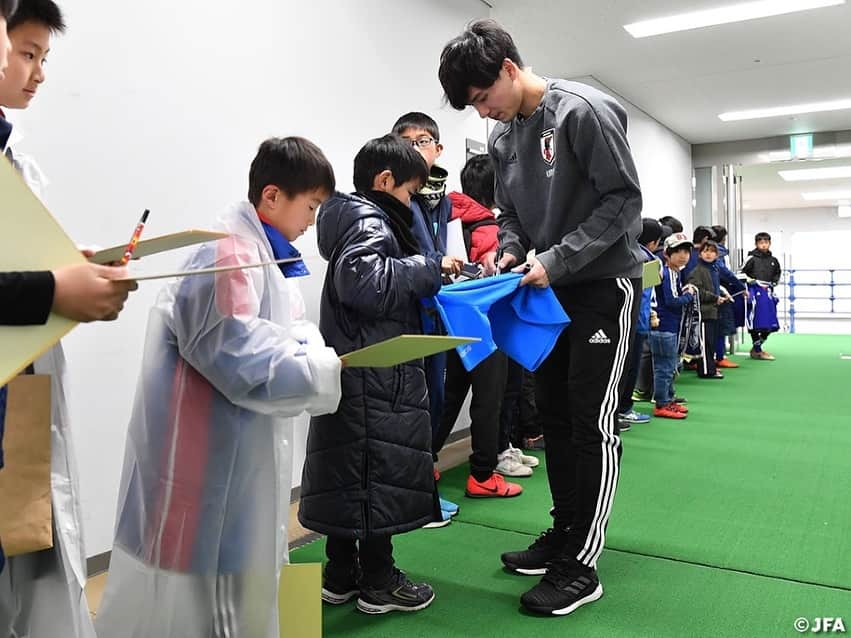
x: 401, y: 218
x: 283, y: 249
x: 435, y: 188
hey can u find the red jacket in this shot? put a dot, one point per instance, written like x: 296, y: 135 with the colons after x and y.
x: 483, y: 239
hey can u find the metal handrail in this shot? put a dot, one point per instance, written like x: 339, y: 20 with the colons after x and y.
x: 789, y: 282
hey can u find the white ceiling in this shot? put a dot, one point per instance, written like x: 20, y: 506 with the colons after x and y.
x: 764, y: 189
x: 686, y: 79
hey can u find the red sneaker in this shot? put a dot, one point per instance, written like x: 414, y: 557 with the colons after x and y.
x: 670, y: 411
x: 679, y: 407
x: 495, y: 486
x: 726, y: 363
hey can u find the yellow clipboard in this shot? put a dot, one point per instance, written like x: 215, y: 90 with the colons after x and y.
x: 401, y: 349
x: 651, y: 276
x: 156, y: 245
x: 30, y: 239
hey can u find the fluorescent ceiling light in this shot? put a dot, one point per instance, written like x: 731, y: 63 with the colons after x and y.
x: 778, y: 111
x: 805, y: 174
x: 826, y: 195
x: 724, y: 15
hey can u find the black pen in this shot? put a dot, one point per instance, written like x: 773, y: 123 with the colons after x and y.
x: 499, y: 253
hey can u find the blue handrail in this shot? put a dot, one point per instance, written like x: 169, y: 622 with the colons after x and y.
x: 791, y: 280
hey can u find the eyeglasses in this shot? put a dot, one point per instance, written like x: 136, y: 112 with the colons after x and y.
x: 422, y: 142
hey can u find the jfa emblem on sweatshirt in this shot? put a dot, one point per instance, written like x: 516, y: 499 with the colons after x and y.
x: 548, y: 146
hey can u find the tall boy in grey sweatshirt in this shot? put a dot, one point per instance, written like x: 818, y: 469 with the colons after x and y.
x: 568, y: 188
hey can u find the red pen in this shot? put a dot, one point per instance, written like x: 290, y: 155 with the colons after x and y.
x: 128, y: 254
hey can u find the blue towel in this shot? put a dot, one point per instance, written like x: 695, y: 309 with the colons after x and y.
x: 524, y: 322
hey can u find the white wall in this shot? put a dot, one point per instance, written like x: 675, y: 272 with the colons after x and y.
x: 662, y: 158
x: 162, y: 105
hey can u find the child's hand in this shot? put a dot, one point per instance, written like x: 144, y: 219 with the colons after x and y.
x: 450, y: 265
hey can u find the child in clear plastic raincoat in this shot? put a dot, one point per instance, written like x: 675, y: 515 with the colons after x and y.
x: 201, y: 530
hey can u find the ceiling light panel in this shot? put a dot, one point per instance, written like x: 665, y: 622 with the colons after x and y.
x: 724, y: 15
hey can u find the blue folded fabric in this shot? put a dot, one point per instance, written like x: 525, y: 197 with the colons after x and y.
x: 524, y: 322
x: 283, y: 249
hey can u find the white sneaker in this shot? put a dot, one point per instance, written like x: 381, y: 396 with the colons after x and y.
x: 509, y: 465
x: 525, y: 459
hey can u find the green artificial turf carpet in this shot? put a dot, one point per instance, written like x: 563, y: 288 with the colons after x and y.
x: 733, y: 522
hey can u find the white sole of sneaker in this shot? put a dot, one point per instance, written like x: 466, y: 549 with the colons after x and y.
x: 437, y: 524
x: 597, y: 594
x: 369, y: 608
x: 338, y: 599
x: 539, y: 571
x: 526, y: 472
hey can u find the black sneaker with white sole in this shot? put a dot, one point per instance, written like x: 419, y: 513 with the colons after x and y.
x: 340, y: 588
x: 565, y: 588
x: 535, y: 560
x: 400, y: 594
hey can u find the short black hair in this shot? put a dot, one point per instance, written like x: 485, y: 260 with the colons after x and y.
x: 651, y: 230
x: 701, y: 233
x: 44, y: 12
x: 388, y: 153
x: 474, y: 59
x: 710, y: 244
x: 720, y: 233
x: 477, y: 179
x: 293, y: 164
x: 7, y: 8
x: 673, y: 223
x: 762, y: 235
x: 415, y: 119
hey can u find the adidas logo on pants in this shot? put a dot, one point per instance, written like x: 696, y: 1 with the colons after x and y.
x: 599, y: 337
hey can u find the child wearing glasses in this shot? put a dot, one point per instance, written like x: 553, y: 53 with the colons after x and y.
x: 432, y: 211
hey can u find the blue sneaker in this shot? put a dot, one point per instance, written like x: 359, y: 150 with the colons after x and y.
x: 632, y: 417
x: 448, y: 506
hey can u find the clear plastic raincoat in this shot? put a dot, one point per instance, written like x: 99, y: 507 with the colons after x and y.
x: 201, y: 530
x: 41, y: 593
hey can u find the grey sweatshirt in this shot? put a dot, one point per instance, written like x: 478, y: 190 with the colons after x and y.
x: 567, y: 186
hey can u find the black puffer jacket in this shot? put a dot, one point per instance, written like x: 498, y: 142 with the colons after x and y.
x: 368, y: 469
x: 762, y: 266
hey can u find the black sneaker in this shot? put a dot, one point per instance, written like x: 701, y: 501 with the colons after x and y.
x: 565, y: 588
x: 339, y: 589
x: 399, y: 595
x: 535, y: 560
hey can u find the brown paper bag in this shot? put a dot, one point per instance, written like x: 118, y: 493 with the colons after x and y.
x: 26, y: 513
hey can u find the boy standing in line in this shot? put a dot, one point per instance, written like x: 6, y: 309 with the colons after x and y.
x: 567, y: 186
x: 41, y: 593
x: 705, y: 278
x: 762, y: 266
x: 368, y: 470
x: 203, y: 507
x: 670, y: 299
x: 432, y: 210
x: 488, y: 462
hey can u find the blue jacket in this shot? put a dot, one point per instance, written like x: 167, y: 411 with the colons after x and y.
x: 430, y: 225
x: 670, y: 300
x: 524, y: 322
